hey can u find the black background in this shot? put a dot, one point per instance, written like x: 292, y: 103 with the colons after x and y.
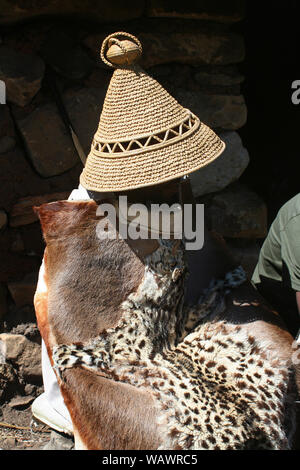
x: 272, y: 133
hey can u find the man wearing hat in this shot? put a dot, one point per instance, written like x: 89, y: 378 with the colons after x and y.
x: 145, y: 145
x: 145, y: 138
x: 277, y: 273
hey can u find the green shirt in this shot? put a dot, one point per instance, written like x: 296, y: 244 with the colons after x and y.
x: 281, y: 248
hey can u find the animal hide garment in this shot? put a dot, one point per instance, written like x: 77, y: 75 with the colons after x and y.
x: 214, y: 385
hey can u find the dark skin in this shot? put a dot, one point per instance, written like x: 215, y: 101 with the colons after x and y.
x: 212, y: 261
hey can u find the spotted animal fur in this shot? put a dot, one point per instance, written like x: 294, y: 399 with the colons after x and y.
x: 213, y: 385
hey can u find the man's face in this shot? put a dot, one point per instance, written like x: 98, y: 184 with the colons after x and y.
x: 165, y: 192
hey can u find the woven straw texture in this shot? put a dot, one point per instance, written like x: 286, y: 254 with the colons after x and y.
x: 154, y: 167
x: 136, y: 104
x: 145, y: 137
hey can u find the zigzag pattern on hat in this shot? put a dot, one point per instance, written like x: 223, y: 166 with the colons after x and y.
x: 145, y: 142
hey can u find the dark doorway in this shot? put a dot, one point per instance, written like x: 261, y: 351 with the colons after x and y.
x: 272, y: 132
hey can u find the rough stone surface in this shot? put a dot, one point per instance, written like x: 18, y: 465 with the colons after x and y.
x: 237, y: 212
x: 28, y: 329
x: 6, y: 122
x: 30, y: 389
x: 17, y: 179
x: 226, y: 169
x: 3, y: 301
x: 195, y: 48
x: 66, y: 56
x: 14, y: 266
x: 224, y: 76
x: 32, y: 239
x: 47, y: 141
x: 245, y: 252
x: 3, y: 220
x: 84, y: 108
x: 59, y: 441
x: 192, y: 48
x: 217, y: 111
x: 19, y: 10
x: 99, y: 78
x: 7, y: 143
x: 8, y: 378
x: 10, y: 442
x: 21, y: 73
x: 16, y: 244
x: 20, y: 401
x: 23, y: 213
x: 206, y: 79
x: 24, y: 354
x: 214, y: 10
x: 22, y: 292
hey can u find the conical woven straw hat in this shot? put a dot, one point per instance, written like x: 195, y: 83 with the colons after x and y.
x: 145, y: 137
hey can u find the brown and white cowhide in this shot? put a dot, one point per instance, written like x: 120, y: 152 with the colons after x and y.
x: 140, y: 369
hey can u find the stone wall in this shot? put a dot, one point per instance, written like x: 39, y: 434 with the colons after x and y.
x: 191, y: 48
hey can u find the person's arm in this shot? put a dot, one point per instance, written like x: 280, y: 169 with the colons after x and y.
x: 290, y: 250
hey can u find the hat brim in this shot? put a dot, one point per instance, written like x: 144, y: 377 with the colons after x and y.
x: 102, y: 174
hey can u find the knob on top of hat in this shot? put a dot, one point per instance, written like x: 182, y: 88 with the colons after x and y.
x: 121, y: 49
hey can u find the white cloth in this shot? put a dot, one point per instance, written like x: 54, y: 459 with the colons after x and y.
x: 79, y: 194
x: 52, y: 391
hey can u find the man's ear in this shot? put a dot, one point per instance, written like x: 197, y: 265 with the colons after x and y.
x: 62, y: 217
